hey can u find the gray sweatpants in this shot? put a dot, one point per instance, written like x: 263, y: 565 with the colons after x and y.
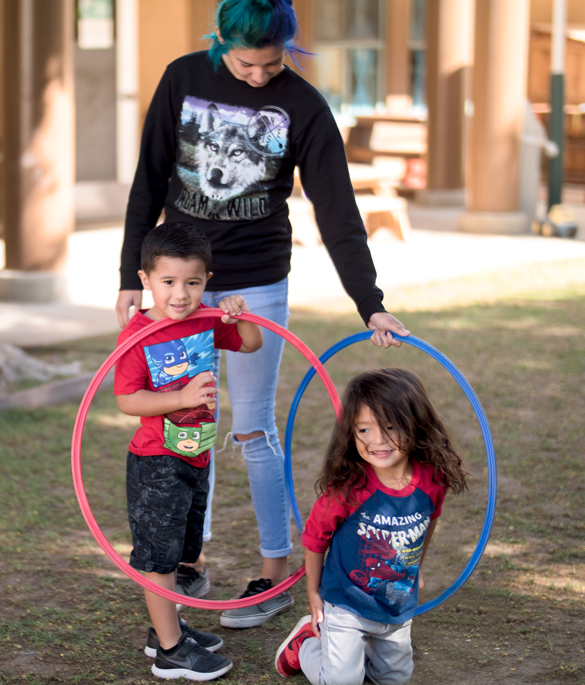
x: 351, y: 647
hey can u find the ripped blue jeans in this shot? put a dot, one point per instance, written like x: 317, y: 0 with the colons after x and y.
x: 252, y: 380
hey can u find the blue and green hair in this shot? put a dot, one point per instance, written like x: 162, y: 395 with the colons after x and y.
x: 254, y: 24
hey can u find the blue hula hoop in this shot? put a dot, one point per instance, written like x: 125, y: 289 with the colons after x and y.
x: 487, y: 438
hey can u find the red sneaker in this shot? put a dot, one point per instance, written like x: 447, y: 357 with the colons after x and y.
x: 287, y: 657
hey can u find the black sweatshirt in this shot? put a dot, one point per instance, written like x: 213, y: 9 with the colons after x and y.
x: 221, y: 154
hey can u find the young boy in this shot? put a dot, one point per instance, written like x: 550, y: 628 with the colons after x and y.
x: 166, y: 379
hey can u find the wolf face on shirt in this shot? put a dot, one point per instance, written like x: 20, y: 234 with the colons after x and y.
x: 227, y: 157
x: 227, y: 164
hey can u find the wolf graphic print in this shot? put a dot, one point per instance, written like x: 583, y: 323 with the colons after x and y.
x: 227, y: 158
x: 172, y: 365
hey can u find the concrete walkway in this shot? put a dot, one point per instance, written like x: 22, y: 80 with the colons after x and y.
x: 435, y: 252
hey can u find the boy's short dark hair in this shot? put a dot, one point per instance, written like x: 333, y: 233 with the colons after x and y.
x: 175, y: 239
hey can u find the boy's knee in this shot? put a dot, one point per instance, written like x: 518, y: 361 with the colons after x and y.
x: 156, y: 574
x: 244, y: 437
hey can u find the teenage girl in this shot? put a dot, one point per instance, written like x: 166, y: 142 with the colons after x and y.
x: 223, y: 134
x: 384, y: 481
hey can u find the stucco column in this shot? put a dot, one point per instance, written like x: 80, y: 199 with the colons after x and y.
x: 499, y: 94
x: 39, y: 131
x: 449, y: 54
x: 127, y: 105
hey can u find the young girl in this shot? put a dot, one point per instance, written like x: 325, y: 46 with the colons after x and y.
x: 384, y: 481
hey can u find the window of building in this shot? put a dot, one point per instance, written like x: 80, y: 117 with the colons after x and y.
x: 95, y: 24
x: 350, y: 53
x: 418, y: 49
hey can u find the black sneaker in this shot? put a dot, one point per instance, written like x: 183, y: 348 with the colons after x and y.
x: 189, y: 660
x: 206, y: 640
x: 258, y: 614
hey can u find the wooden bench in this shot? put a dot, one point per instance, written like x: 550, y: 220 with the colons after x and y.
x: 377, y: 211
x: 384, y: 211
x: 385, y: 136
x: 302, y: 219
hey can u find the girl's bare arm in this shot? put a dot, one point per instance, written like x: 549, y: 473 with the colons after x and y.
x: 427, y: 542
x: 314, y: 569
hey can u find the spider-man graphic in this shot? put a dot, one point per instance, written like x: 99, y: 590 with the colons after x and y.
x: 386, y: 573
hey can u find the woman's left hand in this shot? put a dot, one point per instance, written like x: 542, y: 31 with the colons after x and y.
x: 384, y: 324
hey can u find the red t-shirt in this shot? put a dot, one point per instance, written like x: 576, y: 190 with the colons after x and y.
x: 164, y: 362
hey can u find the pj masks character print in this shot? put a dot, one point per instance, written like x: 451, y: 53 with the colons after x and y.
x: 171, y: 359
x: 189, y: 440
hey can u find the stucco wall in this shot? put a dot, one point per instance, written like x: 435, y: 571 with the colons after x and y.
x: 168, y: 30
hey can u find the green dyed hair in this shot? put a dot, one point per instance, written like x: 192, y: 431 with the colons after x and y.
x: 254, y: 24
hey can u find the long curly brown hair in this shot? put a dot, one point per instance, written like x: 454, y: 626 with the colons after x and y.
x: 397, y: 398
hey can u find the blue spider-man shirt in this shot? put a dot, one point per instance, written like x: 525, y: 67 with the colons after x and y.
x: 376, y: 545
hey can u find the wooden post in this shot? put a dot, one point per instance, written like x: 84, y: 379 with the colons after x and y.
x: 449, y: 54
x: 499, y: 101
x: 39, y: 138
x: 397, y: 53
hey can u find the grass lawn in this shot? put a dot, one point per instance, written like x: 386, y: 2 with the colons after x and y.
x: 67, y: 615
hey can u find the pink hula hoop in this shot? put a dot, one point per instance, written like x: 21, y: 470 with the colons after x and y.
x: 76, y: 458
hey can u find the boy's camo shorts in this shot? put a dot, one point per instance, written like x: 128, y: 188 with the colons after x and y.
x: 167, y: 498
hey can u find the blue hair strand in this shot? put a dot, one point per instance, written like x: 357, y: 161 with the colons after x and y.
x: 254, y: 24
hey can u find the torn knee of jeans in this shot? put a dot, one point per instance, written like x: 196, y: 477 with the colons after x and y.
x: 270, y: 438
